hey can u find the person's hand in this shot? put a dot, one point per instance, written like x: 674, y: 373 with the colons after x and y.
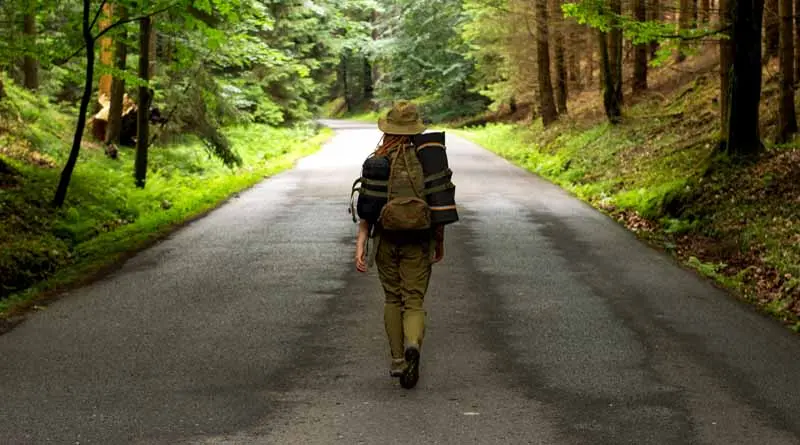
x: 361, y: 258
x: 438, y: 253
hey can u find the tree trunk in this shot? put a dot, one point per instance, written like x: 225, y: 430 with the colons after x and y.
x: 2, y: 89
x: 744, y: 140
x: 547, y: 103
x: 797, y: 41
x: 684, y: 21
x: 641, y: 50
x: 30, y: 66
x: 143, y: 111
x: 654, y: 15
x: 612, y: 107
x: 106, y: 52
x: 705, y: 11
x: 772, y: 30
x: 725, y: 67
x: 573, y: 58
x: 589, y: 61
x: 787, y: 117
x: 615, y: 51
x: 118, y: 85
x: 369, y: 83
x: 66, y: 174
x: 561, y: 64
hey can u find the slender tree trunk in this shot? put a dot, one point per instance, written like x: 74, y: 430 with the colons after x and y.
x: 684, y: 23
x: 615, y: 51
x: 654, y: 15
x: 547, y: 103
x: 725, y: 67
x: 797, y: 40
x: 561, y: 65
x: 30, y: 66
x: 590, y: 60
x: 787, y: 117
x: 705, y: 11
x: 66, y: 174
x: 641, y: 50
x: 152, y: 48
x: 369, y: 83
x: 2, y: 89
x: 772, y: 30
x: 573, y: 59
x: 348, y: 97
x: 612, y: 107
x: 143, y: 111
x: 744, y: 140
x: 118, y: 85
x: 106, y: 52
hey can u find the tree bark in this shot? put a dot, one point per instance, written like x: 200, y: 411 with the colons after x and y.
x: 613, y: 108
x: 772, y: 30
x: 744, y: 140
x: 118, y: 85
x: 573, y: 58
x: 797, y: 40
x: 562, y: 91
x: 725, y: 67
x: 66, y: 174
x: 684, y: 23
x: 654, y: 15
x: 615, y: 51
x: 106, y: 52
x: 547, y: 103
x: 30, y: 66
x: 143, y: 111
x: 641, y: 51
x: 787, y: 117
x: 705, y: 11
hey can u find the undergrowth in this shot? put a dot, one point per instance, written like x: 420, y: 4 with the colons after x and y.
x: 105, y: 215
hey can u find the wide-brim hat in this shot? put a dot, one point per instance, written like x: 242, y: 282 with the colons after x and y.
x: 402, y: 119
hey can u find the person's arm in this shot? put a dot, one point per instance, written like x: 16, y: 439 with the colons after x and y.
x: 361, y: 246
x: 438, y: 254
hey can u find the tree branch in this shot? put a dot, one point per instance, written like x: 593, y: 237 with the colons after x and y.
x: 97, y: 14
x: 111, y: 27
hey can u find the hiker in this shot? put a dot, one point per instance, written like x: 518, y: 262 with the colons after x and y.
x: 408, y: 233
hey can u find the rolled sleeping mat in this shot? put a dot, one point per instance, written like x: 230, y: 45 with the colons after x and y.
x: 373, y: 194
x: 439, y: 188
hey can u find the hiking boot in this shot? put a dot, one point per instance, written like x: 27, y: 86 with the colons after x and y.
x: 411, y: 375
x: 398, y: 367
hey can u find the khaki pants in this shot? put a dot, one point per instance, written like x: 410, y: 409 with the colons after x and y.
x: 404, y: 269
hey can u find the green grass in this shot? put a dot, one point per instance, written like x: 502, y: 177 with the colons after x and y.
x: 737, y: 225
x: 105, y: 216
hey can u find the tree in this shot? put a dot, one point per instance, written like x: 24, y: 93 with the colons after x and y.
x: 684, y: 24
x: 560, y: 58
x: 725, y: 66
x: 546, y: 101
x: 771, y: 29
x: 641, y: 51
x: 705, y: 11
x: 787, y: 118
x: 118, y: 84
x: 797, y: 40
x: 615, y: 49
x: 143, y: 111
x: 654, y: 15
x: 30, y: 66
x: 744, y: 140
x: 89, y: 45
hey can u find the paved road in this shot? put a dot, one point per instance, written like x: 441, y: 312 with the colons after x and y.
x: 549, y: 324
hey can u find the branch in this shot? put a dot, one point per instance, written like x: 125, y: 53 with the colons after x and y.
x: 97, y: 15
x: 111, y: 27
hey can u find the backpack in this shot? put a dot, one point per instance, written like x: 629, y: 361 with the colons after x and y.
x: 406, y: 208
x: 391, y: 191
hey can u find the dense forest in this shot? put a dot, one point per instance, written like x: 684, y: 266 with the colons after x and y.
x: 106, y: 104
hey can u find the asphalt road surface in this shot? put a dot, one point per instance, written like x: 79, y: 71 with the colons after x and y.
x: 548, y: 324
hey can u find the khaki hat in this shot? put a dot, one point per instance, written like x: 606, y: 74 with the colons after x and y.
x: 403, y: 119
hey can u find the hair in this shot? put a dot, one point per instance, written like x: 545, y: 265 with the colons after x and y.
x: 391, y: 141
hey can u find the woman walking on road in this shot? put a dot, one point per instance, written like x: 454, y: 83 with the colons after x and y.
x: 407, y: 241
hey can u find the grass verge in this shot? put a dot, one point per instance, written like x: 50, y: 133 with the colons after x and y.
x: 657, y: 173
x: 105, y: 218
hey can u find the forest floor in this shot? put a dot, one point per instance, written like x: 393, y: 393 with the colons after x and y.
x: 659, y: 174
x: 43, y: 249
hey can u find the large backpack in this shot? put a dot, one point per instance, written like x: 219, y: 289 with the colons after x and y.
x: 406, y: 208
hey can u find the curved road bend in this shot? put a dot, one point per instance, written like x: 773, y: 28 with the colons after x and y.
x: 548, y: 324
